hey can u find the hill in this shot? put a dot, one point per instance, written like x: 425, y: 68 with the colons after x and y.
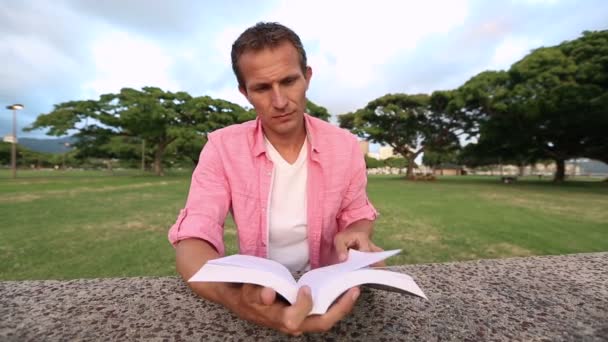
x: 55, y: 146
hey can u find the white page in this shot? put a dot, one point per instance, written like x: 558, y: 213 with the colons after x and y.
x: 356, y: 260
x: 256, y: 263
x: 335, y: 286
x: 236, y: 274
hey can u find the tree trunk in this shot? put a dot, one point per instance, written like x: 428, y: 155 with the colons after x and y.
x: 158, y: 160
x: 521, y: 170
x: 411, y: 162
x: 560, y: 171
x: 410, y: 168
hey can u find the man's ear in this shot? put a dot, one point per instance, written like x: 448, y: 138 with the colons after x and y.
x: 308, y: 76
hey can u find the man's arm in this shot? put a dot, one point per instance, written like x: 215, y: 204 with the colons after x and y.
x: 357, y: 215
x: 255, y: 303
x: 190, y: 256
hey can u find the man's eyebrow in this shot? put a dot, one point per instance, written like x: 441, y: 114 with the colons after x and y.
x: 262, y: 84
x: 291, y: 77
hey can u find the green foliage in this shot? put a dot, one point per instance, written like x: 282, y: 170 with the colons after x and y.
x: 5, y: 153
x: 317, y: 111
x: 27, y: 158
x: 372, y: 163
x: 393, y: 162
x: 435, y: 158
x: 408, y: 123
x: 118, y: 123
x: 552, y: 104
x: 396, y: 162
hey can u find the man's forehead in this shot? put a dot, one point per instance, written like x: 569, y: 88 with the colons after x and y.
x: 282, y: 50
x: 270, y: 63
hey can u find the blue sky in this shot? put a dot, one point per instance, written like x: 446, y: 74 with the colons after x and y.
x: 55, y: 51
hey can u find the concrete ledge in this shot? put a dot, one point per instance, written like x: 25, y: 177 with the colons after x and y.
x: 539, y: 298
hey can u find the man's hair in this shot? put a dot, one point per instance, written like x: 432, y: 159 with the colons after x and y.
x: 262, y: 36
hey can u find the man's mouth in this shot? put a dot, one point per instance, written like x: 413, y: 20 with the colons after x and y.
x: 282, y: 115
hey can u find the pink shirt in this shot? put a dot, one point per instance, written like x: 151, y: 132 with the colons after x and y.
x: 234, y: 173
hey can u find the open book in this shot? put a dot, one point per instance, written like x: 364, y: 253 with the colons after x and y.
x: 326, y: 283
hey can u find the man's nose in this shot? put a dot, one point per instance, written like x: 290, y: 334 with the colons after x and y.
x: 279, y: 100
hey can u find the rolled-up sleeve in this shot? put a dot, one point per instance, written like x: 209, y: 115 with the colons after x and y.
x: 208, y: 202
x: 355, y: 203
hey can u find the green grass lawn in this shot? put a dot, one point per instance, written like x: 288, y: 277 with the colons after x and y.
x: 75, y: 224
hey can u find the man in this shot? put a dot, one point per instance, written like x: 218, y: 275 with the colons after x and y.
x: 295, y: 186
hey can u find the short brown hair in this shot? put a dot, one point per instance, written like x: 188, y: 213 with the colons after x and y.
x: 261, y: 36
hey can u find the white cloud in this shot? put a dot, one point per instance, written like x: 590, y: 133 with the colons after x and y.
x: 358, y: 49
x: 537, y: 2
x: 511, y: 50
x: 29, y: 61
x: 356, y: 38
x: 230, y: 94
x: 123, y: 59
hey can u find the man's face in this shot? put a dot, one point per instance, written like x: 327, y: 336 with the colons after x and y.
x: 276, y: 88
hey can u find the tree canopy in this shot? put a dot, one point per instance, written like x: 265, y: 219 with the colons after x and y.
x: 407, y: 123
x: 552, y: 104
x: 119, y: 122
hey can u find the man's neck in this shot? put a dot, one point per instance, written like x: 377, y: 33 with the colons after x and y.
x: 289, y: 147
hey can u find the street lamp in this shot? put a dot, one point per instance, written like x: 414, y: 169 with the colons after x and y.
x: 14, y: 108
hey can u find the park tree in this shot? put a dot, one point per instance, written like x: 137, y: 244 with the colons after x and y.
x: 433, y: 159
x: 564, y: 92
x: 407, y: 123
x: 121, y: 121
x: 551, y: 104
x: 317, y: 111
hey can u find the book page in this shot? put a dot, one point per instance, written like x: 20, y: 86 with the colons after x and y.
x: 256, y: 263
x: 356, y: 260
x: 227, y: 273
x: 334, y: 287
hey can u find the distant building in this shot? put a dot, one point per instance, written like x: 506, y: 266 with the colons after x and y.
x: 386, y: 152
x: 448, y: 169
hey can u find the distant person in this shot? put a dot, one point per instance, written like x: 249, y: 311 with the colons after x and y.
x: 296, y: 187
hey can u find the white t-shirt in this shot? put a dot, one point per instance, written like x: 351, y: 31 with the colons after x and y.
x: 287, y: 221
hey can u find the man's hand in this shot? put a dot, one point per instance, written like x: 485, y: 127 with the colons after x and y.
x: 356, y: 236
x: 259, y: 305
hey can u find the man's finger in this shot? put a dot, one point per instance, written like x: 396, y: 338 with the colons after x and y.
x: 341, y: 248
x: 336, y: 312
x: 298, y: 311
x: 375, y: 248
x: 267, y: 296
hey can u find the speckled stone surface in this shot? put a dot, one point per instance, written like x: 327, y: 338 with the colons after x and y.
x: 560, y: 298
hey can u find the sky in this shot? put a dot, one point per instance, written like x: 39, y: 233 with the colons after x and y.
x: 64, y: 50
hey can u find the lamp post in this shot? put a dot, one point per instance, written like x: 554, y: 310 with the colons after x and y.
x: 14, y: 108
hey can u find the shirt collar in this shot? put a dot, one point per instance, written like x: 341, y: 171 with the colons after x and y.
x: 258, y: 138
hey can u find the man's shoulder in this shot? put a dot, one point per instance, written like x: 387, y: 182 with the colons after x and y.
x: 233, y: 132
x: 327, y: 131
